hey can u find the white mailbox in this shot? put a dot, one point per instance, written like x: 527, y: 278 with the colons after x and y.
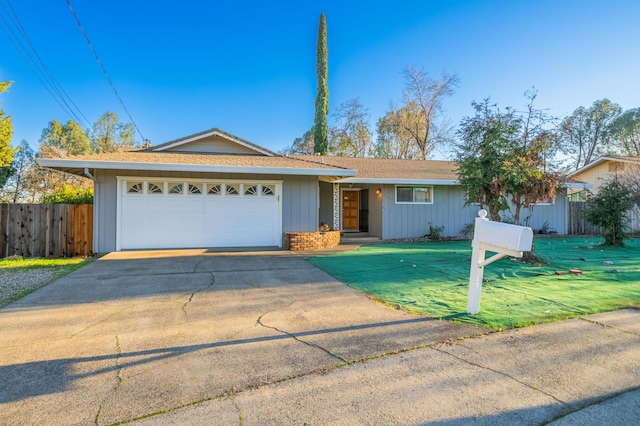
x: 503, y: 236
x: 503, y: 239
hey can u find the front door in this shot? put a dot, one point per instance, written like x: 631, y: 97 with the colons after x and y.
x: 350, y: 206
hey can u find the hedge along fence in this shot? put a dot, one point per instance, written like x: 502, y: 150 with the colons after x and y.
x: 46, y: 230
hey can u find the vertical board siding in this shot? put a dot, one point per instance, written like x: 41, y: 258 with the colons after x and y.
x: 300, y: 204
x: 46, y: 230
x: 412, y: 220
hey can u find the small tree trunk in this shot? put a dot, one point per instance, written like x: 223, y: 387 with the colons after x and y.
x: 530, y: 256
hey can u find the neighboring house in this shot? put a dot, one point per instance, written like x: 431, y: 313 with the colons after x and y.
x: 213, y: 189
x: 602, y: 170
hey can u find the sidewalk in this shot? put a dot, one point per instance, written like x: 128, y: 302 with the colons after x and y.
x: 577, y: 372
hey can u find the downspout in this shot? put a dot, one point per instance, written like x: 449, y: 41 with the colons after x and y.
x: 89, y: 175
x: 95, y: 210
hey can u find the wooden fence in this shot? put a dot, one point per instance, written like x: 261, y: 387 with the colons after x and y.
x: 577, y: 224
x: 46, y: 230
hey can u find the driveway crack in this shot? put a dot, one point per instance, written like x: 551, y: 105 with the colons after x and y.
x: 119, y: 379
x: 184, y: 306
x: 293, y: 336
x: 609, y: 326
x: 235, y: 404
x: 111, y: 315
x: 502, y: 373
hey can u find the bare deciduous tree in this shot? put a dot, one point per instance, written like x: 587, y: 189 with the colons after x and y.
x: 419, y: 121
x: 350, y: 135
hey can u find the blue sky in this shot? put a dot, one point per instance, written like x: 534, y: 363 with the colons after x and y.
x: 249, y: 67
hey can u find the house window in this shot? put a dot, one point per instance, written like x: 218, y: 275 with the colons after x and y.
x: 616, y: 166
x: 578, y: 196
x: 414, y: 195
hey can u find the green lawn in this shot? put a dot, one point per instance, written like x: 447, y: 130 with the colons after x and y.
x: 433, y: 279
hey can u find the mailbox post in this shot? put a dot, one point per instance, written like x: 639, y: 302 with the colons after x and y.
x: 503, y: 239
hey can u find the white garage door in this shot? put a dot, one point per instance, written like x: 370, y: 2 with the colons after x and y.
x: 161, y: 213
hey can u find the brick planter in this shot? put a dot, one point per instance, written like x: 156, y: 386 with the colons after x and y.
x: 299, y: 241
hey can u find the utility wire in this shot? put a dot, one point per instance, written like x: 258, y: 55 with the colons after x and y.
x: 104, y: 71
x: 37, y: 66
x: 56, y: 85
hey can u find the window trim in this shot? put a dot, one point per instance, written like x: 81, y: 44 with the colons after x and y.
x: 551, y: 202
x: 430, y: 190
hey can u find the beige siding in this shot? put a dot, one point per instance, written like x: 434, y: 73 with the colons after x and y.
x: 599, y: 174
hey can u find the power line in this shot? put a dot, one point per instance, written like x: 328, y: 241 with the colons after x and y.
x: 36, y: 64
x: 104, y: 71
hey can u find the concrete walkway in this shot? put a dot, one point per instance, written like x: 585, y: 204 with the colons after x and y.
x: 194, y: 337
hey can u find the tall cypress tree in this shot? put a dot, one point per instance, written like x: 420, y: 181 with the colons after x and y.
x: 322, y: 96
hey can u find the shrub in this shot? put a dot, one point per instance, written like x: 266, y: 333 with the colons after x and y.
x: 435, y: 232
x: 70, y: 195
x: 609, y: 210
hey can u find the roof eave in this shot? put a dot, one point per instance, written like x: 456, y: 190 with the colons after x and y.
x: 576, y: 185
x: 55, y: 163
x: 395, y: 181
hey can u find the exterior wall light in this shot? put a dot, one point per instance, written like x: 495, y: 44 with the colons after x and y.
x: 378, y: 191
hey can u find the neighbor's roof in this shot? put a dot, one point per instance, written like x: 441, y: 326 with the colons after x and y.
x: 378, y: 170
x: 604, y: 159
x: 176, y: 161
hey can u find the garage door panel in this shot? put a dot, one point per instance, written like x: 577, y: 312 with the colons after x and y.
x: 199, y: 220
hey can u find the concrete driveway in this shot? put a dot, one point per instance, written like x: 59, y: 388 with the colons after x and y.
x: 192, y: 337
x: 138, y: 333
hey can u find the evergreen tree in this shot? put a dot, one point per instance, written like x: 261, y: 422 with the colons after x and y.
x: 322, y: 95
x: 609, y: 209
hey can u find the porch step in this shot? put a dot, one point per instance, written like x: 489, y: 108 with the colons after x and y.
x: 359, y: 238
x: 354, y: 234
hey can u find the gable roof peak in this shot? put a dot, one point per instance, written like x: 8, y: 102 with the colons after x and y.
x: 213, y: 132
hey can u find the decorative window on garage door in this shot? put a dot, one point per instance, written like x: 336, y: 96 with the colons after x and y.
x: 251, y: 190
x: 232, y: 189
x: 175, y: 188
x: 195, y: 188
x: 215, y: 189
x: 155, y: 188
x: 268, y: 190
x: 158, y: 187
x: 135, y: 187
